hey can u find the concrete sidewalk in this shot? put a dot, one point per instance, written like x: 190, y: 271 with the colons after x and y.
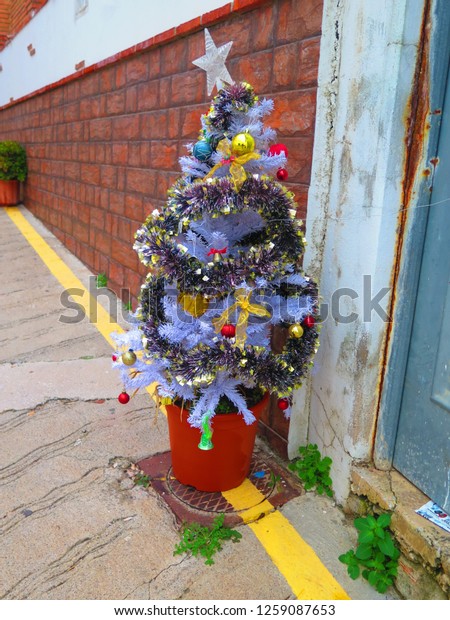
x: 71, y: 524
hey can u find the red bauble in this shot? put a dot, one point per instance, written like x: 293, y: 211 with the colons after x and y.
x: 123, y: 398
x: 114, y: 358
x: 282, y: 174
x: 309, y: 321
x: 228, y: 330
x: 276, y: 149
x: 283, y: 404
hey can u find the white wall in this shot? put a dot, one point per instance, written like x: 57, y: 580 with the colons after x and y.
x: 61, y: 39
x: 367, y: 61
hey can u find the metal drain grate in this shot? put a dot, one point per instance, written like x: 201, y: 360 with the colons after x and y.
x: 188, y: 504
x: 198, y: 500
x: 260, y: 474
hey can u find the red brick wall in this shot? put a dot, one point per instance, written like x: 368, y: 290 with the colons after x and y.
x: 103, y: 148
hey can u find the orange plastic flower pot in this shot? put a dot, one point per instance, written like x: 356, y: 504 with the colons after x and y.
x: 9, y: 193
x: 225, y: 466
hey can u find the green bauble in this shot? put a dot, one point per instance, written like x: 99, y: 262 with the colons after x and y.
x: 202, y: 150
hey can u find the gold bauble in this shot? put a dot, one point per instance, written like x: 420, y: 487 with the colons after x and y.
x: 296, y: 330
x: 193, y: 304
x: 242, y: 143
x: 129, y: 358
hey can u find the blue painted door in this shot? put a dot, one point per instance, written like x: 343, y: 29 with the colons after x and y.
x: 422, y: 450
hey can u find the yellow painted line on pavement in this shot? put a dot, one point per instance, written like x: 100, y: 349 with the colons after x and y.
x: 308, y: 578
x: 97, y: 315
x: 65, y: 276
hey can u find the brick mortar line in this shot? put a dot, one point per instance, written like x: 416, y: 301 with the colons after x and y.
x: 116, y: 115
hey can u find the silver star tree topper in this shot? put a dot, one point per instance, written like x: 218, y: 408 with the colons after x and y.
x: 213, y: 62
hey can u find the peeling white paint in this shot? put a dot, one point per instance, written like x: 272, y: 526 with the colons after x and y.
x: 366, y: 72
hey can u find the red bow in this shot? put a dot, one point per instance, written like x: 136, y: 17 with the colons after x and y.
x: 216, y: 251
x: 229, y: 160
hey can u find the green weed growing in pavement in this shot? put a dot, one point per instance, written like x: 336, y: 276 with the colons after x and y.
x: 205, y: 541
x: 275, y: 479
x: 142, y: 480
x: 376, y: 556
x: 102, y: 280
x: 313, y: 470
x: 128, y: 306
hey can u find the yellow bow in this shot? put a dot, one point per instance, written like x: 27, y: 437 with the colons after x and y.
x: 246, y: 308
x: 193, y: 304
x: 237, y: 171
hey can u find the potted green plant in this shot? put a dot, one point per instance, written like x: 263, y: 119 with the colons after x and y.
x: 13, y: 170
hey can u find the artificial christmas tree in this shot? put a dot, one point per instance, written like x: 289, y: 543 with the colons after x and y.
x: 224, y: 268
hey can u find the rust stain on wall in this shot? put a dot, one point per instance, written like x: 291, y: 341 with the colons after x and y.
x: 417, y: 125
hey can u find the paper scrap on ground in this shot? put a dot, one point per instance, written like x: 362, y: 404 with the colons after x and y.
x: 436, y: 515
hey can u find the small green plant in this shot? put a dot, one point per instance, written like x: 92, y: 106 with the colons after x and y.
x: 313, y: 470
x: 128, y: 306
x: 13, y: 161
x: 205, y: 541
x: 376, y: 556
x: 142, y: 480
x: 102, y: 280
x: 275, y: 479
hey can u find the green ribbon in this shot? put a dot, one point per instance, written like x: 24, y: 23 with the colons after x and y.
x: 207, y: 432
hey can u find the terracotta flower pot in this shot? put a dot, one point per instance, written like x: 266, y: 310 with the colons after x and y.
x: 227, y: 464
x: 9, y: 193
